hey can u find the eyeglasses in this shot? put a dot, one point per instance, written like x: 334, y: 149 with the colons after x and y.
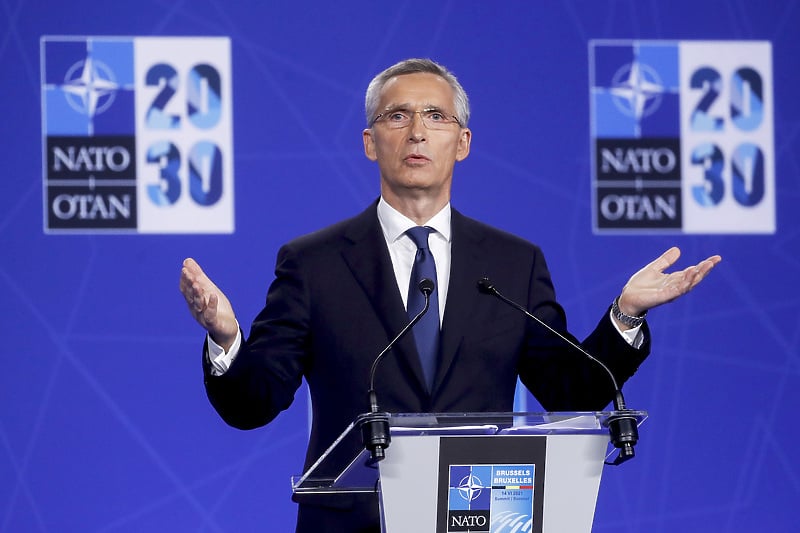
x: 433, y: 119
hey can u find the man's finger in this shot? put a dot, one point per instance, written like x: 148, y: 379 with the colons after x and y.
x: 704, y: 268
x: 666, y: 260
x: 210, y: 310
x: 198, y: 304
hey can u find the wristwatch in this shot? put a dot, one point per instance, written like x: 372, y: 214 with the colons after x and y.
x: 628, y: 320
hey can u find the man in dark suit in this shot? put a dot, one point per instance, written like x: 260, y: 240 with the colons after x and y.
x: 341, y: 294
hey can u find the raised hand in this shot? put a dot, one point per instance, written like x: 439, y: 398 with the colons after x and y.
x: 208, y: 305
x: 651, y: 286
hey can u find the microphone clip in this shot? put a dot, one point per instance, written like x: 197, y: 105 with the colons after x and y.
x: 624, y: 435
x: 375, y: 433
x: 623, y: 430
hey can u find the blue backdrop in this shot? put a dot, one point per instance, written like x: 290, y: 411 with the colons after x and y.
x: 104, y: 425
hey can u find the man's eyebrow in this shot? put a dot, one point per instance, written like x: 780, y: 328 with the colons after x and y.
x: 407, y: 106
x: 395, y: 107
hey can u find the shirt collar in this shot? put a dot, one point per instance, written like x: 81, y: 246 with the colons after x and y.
x: 394, y: 224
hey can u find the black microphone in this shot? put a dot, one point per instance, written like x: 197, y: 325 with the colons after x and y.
x: 375, y: 425
x: 621, y: 423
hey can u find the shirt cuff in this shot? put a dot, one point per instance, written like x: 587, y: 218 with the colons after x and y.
x: 634, y: 336
x: 220, y: 360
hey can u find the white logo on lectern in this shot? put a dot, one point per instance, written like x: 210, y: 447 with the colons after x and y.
x: 470, y: 487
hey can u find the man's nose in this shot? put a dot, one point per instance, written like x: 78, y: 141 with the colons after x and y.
x: 416, y: 129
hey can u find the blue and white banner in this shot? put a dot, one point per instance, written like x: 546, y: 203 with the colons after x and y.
x: 682, y: 134
x: 137, y: 134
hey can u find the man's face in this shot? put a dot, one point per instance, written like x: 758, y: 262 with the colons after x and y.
x: 414, y: 161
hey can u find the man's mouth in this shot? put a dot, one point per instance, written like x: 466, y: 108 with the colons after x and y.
x: 416, y: 158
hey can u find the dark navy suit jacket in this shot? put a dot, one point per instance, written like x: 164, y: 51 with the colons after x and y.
x: 334, y: 305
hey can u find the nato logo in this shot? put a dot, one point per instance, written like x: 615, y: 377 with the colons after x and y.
x: 137, y: 135
x: 492, y: 498
x: 88, y: 88
x: 469, y: 500
x: 682, y: 136
x: 638, y: 95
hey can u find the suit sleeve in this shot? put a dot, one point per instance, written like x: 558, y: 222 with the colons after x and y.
x: 269, y: 368
x: 561, y: 377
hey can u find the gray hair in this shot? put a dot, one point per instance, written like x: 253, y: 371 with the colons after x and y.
x: 414, y: 66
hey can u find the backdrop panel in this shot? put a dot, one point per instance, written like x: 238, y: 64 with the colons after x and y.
x: 104, y: 424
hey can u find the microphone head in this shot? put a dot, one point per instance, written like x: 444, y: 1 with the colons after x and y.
x: 486, y: 286
x: 426, y: 286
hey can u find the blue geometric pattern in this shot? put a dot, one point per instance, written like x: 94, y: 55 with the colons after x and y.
x: 83, y: 79
x: 104, y: 424
x: 636, y: 90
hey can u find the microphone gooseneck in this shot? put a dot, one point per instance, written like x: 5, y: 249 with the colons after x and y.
x: 621, y: 423
x: 426, y: 288
x: 375, y: 425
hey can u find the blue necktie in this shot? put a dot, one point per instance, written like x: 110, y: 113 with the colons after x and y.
x: 426, y: 331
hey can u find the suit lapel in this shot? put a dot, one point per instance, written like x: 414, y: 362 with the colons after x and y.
x: 467, y: 265
x: 369, y: 261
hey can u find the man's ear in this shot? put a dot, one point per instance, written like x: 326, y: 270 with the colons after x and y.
x: 369, y: 145
x: 463, y: 144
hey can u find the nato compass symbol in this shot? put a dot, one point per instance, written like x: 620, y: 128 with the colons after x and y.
x: 90, y: 87
x: 637, y: 90
x: 470, y: 487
